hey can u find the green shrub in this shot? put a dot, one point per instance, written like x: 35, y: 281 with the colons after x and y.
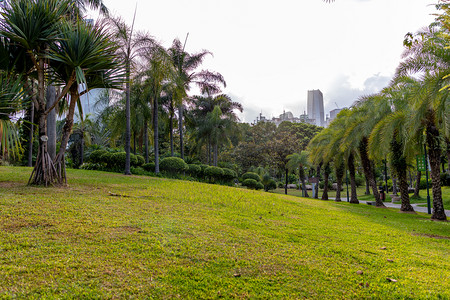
x: 137, y: 171
x: 118, y: 160
x: 92, y: 166
x: 194, y: 170
x: 251, y: 175
x: 214, y: 173
x: 140, y: 160
x: 259, y: 186
x: 95, y: 156
x: 108, y: 160
x: 359, y: 180
x: 173, y: 165
x: 133, y: 160
x: 229, y: 174
x: 150, y: 167
x: 271, y: 185
x: 250, y: 183
x: 204, y: 167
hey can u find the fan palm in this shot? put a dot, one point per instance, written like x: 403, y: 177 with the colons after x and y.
x: 299, y: 161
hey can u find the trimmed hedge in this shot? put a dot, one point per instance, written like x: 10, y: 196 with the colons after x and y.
x: 150, y: 167
x: 229, y: 174
x: 259, y: 186
x: 250, y: 183
x: 95, y: 156
x: 195, y: 170
x: 251, y: 175
x: 173, y: 165
x: 214, y: 173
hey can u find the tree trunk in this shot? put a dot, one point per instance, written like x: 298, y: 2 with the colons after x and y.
x: 351, y: 170
x: 51, y: 121
x: 434, y: 153
x: 286, y: 181
x: 82, y: 147
x: 326, y: 173
x: 134, y: 144
x: 394, y: 185
x: 316, y: 187
x: 146, y: 141
x: 302, y: 178
x: 59, y: 160
x: 128, y: 120
x: 155, y: 133
x: 44, y: 172
x: 406, y: 205
x: 339, y: 175
x: 448, y: 155
x: 417, y: 186
x: 367, y: 192
x: 180, y: 129
x: 171, y: 128
x: 215, y: 154
x: 368, y: 171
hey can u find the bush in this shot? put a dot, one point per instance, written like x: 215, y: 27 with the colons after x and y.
x: 214, y: 173
x: 137, y: 171
x: 250, y: 183
x: 259, y: 186
x: 271, y: 185
x: 173, y: 165
x: 118, y: 159
x: 251, y: 175
x: 194, y: 170
x: 92, y: 166
x: 229, y: 174
x: 96, y: 155
x: 203, y: 167
x: 150, y: 167
x: 359, y: 180
x: 140, y: 160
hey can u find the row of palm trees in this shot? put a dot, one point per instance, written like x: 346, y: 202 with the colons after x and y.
x: 407, y: 118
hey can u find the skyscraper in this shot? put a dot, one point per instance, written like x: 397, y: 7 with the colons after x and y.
x: 315, y: 107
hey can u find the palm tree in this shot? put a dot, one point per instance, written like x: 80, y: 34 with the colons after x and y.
x: 130, y: 46
x: 185, y: 65
x: 359, y: 125
x: 426, y: 53
x: 299, y: 161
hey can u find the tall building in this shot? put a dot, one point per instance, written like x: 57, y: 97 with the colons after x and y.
x: 315, y: 107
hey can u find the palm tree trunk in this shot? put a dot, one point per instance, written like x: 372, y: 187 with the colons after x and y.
x: 155, y: 133
x: 302, y: 178
x: 326, y: 174
x: 367, y: 192
x: 417, y: 186
x: 286, y: 181
x: 316, y: 187
x: 82, y: 147
x: 351, y: 170
x: 215, y: 154
x: 146, y: 141
x: 128, y: 120
x: 339, y: 175
x: 406, y: 205
x: 134, y: 143
x: 448, y: 155
x: 368, y: 171
x: 51, y: 121
x: 434, y: 153
x: 180, y: 129
x: 171, y: 128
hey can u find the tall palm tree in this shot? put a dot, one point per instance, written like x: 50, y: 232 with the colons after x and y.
x: 185, y: 65
x: 131, y: 45
x: 428, y: 56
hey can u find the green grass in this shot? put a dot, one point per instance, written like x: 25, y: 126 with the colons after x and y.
x: 112, y: 236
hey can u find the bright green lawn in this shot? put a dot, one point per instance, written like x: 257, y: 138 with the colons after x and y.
x: 173, y: 239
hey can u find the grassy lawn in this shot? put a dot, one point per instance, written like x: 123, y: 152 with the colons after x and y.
x: 112, y: 236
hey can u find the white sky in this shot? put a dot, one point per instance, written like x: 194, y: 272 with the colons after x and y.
x: 272, y: 52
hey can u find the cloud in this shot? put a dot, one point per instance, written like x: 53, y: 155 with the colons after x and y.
x: 344, y: 94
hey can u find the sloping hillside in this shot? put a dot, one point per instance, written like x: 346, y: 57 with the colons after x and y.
x: 108, y: 235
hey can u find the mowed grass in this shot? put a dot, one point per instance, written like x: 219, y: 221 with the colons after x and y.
x: 112, y: 236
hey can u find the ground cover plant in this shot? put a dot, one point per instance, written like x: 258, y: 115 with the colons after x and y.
x: 108, y: 235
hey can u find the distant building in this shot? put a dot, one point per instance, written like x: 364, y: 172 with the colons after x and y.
x: 334, y: 112
x: 315, y: 107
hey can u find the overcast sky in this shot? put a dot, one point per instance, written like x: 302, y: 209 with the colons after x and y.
x: 272, y: 52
